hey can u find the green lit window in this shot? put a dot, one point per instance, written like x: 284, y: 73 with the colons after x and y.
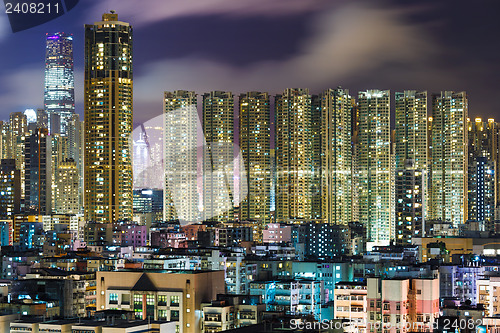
x: 138, y: 306
x: 162, y: 300
x: 174, y: 300
x: 162, y: 314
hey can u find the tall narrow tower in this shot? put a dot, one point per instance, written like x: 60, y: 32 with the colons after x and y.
x: 59, y: 93
x: 180, y: 193
x: 336, y: 156
x: 411, y: 129
x: 448, y: 197
x: 255, y: 140
x: 108, y: 120
x: 375, y: 199
x: 218, y: 156
x: 294, y: 147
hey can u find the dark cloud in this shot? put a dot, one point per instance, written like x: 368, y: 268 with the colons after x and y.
x: 267, y: 45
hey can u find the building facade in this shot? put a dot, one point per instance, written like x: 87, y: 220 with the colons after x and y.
x: 181, y: 198
x: 218, y: 156
x: 336, y: 156
x: 59, y: 93
x: 293, y: 151
x: 108, y: 120
x: 448, y: 188
x: 255, y: 141
x: 374, y: 166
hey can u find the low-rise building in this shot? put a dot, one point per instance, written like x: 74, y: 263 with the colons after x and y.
x: 160, y: 295
x: 489, y: 295
x: 350, y: 305
x: 232, y: 311
x: 396, y: 303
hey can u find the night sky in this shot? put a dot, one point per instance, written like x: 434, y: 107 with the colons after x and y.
x: 269, y: 45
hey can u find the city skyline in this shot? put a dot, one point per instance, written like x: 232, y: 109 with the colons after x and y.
x: 260, y: 194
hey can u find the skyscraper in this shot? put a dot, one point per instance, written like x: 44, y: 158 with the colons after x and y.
x: 18, y: 129
x: 482, y: 188
x: 293, y: 155
x: 76, y: 150
x: 66, y: 188
x: 336, y: 156
x: 218, y: 156
x: 410, y: 165
x: 410, y: 187
x: 59, y: 94
x: 108, y: 120
x: 255, y: 141
x: 38, y: 173
x: 10, y: 188
x: 59, y: 144
x: 180, y: 193
x: 411, y: 129
x: 374, y: 165
x: 448, y: 196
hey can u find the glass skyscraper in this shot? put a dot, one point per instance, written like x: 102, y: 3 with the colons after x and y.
x: 59, y: 93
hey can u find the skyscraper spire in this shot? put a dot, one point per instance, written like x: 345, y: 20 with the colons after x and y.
x: 59, y: 93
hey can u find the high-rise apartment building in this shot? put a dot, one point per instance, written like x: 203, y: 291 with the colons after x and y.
x: 316, y: 158
x: 42, y: 118
x: 293, y: 149
x: 255, y: 141
x: 59, y: 144
x: 411, y: 129
x: 336, y: 156
x: 411, y: 160
x: 18, y: 127
x: 59, y: 93
x: 374, y: 165
x: 218, y: 156
x: 5, y: 141
x: 482, y: 186
x: 108, y: 120
x: 76, y: 150
x: 410, y: 191
x: 38, y: 173
x: 10, y: 188
x: 66, y: 190
x: 448, y: 188
x: 180, y: 194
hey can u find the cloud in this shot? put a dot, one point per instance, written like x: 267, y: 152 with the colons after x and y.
x: 157, y: 10
x: 22, y: 88
x: 4, y: 26
x: 346, y: 42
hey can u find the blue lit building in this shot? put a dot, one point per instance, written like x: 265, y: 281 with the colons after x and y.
x: 31, y: 235
x: 4, y: 233
x: 482, y: 190
x: 294, y: 297
x: 59, y: 93
x: 10, y: 188
x: 149, y: 201
x: 322, y: 240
